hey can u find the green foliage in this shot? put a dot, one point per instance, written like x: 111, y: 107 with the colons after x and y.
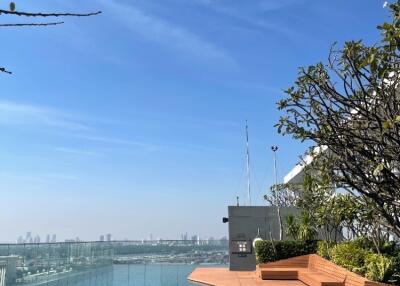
x: 330, y: 211
x: 292, y: 227
x: 307, y: 229
x: 349, y: 105
x: 324, y: 249
x: 357, y: 256
x: 395, y: 273
x: 350, y: 256
x: 388, y: 248
x: 378, y: 267
x: 267, y: 251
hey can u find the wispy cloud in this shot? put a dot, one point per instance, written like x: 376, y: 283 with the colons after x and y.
x: 77, y: 152
x: 168, y: 34
x: 19, y: 113
x: 71, y: 125
x: 253, y: 14
x: 150, y: 147
x: 256, y: 5
x: 41, y: 178
x: 119, y: 141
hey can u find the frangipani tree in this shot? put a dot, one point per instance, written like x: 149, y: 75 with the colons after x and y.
x: 351, y: 106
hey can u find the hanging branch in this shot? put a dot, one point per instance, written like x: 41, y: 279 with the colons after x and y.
x: 4, y: 70
x: 28, y: 14
x: 31, y: 24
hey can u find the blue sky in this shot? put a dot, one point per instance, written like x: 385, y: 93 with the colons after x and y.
x: 132, y: 122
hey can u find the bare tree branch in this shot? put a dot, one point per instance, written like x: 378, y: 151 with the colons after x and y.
x: 29, y: 14
x: 4, y: 70
x: 31, y: 24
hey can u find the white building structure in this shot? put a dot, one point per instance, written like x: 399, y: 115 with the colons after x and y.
x: 296, y: 175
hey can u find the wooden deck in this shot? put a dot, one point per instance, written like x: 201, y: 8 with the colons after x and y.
x: 224, y: 277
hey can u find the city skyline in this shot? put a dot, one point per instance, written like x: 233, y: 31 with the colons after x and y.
x: 31, y: 237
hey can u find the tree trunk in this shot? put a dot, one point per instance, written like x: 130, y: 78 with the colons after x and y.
x: 278, y: 209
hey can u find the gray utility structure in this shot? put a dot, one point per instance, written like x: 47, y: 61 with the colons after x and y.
x: 245, y: 222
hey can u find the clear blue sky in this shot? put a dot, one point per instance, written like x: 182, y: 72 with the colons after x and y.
x: 132, y: 122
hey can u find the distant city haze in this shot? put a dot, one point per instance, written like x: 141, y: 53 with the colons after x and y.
x: 133, y: 122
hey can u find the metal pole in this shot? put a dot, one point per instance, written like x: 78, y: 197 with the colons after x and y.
x: 274, y: 149
x: 278, y: 209
x: 248, y: 165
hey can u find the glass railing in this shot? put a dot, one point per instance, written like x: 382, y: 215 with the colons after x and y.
x: 117, y: 263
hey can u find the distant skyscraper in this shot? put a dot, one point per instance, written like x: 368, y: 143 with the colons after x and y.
x: 28, y: 237
x: 108, y: 236
x: 184, y: 236
x: 36, y: 239
x: 101, y: 237
x: 54, y: 238
x: 20, y: 239
x: 48, y: 238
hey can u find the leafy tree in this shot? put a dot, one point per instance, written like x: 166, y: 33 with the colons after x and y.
x: 350, y: 108
x: 13, y: 12
x: 284, y: 195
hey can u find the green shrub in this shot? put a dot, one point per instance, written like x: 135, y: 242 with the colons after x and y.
x: 394, y: 275
x: 350, y: 256
x: 389, y: 248
x: 385, y: 247
x: 266, y: 251
x: 324, y: 249
x: 364, y: 243
x: 307, y: 230
x: 378, y: 267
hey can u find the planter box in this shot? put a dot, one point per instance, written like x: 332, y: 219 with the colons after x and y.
x: 313, y: 270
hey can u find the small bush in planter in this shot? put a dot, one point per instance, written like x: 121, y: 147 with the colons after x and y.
x: 378, y: 267
x: 324, y: 249
x: 267, y: 251
x: 350, y: 256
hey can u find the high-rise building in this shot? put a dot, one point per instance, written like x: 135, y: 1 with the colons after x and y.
x: 36, y: 239
x: 101, y: 237
x: 28, y: 237
x: 54, y: 238
x: 184, y: 236
x: 48, y: 238
x: 108, y: 236
x: 20, y: 239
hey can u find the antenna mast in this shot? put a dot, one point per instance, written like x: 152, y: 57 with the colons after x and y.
x: 248, y: 165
